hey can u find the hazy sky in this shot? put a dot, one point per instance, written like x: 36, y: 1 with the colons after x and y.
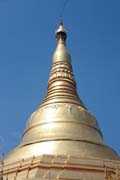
x: 27, y: 43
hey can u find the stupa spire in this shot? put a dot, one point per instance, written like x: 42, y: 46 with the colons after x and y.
x: 61, y: 84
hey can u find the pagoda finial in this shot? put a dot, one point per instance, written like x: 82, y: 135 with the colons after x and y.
x: 61, y: 22
x: 61, y: 33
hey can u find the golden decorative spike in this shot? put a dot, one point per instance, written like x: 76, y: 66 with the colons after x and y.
x: 21, y: 163
x: 18, y: 169
x: 29, y: 168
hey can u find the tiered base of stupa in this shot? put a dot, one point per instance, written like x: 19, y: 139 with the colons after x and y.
x: 64, y: 167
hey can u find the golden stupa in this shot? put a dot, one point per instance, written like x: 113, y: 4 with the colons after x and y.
x: 62, y: 139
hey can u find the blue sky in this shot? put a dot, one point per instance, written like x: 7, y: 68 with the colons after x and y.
x: 27, y: 43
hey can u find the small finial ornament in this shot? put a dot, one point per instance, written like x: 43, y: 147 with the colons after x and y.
x: 61, y: 20
x: 61, y: 33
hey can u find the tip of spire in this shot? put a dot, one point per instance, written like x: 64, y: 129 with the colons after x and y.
x: 61, y: 29
x: 61, y: 21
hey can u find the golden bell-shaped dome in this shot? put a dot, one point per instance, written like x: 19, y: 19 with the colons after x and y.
x: 62, y: 124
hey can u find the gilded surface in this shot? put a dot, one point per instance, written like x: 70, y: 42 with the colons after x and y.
x: 61, y: 167
x: 61, y: 125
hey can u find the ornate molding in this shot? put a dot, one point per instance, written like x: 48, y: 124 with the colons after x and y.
x: 112, y: 174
